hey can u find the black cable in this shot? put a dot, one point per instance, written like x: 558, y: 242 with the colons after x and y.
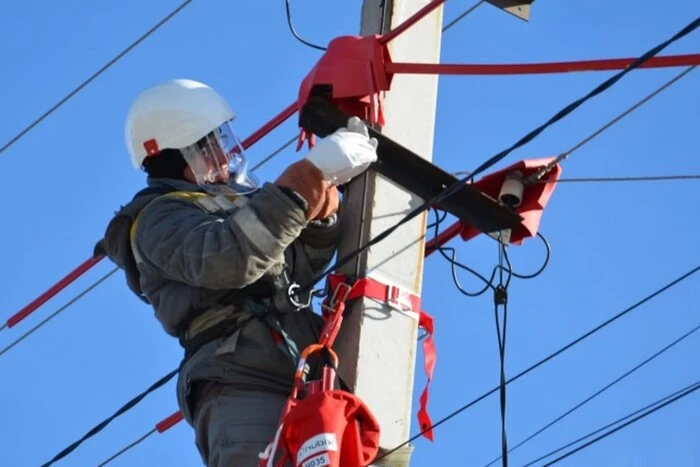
x: 548, y: 252
x: 294, y: 32
x: 449, y: 191
x: 101, y: 426
x: 599, y: 392
x: 452, y: 259
x: 95, y: 75
x: 500, y: 298
x: 456, y: 264
x: 548, y: 358
x: 619, y: 420
x: 660, y: 404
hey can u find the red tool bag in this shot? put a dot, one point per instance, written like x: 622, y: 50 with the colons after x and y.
x: 330, y: 428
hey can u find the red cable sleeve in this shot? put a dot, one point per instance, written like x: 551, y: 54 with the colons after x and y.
x: 539, y: 68
x: 169, y: 422
x: 53, y: 291
x: 274, y: 122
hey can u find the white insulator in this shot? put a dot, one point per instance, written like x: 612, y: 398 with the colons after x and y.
x: 512, y: 190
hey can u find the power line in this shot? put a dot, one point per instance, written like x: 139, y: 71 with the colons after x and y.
x: 601, y: 391
x: 292, y: 29
x: 95, y: 75
x: 273, y: 154
x: 59, y: 311
x: 550, y: 357
x: 563, y: 156
x: 651, y: 178
x: 660, y: 404
x: 466, y: 13
x: 449, y: 191
x: 294, y: 32
x: 619, y: 420
x: 102, y: 425
x: 574, y: 105
x: 128, y: 447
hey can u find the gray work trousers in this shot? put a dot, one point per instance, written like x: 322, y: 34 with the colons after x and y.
x: 233, y: 425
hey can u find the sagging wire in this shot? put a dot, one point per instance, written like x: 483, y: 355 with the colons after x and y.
x: 598, y: 393
x: 104, y: 68
x: 294, y: 31
x: 551, y: 356
x: 627, y: 419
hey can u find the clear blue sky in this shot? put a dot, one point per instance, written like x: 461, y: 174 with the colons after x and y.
x: 612, y: 244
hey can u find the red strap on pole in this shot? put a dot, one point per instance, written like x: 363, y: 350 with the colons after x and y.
x: 406, y: 301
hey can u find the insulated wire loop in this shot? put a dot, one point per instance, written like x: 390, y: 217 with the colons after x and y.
x: 95, y: 75
x: 449, y: 191
x: 658, y: 405
x: 548, y: 358
x: 598, y: 393
x: 102, y: 425
x: 565, y: 155
x: 488, y: 282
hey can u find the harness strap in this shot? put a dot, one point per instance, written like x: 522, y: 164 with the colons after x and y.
x: 404, y: 301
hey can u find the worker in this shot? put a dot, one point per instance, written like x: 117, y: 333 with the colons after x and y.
x: 219, y: 256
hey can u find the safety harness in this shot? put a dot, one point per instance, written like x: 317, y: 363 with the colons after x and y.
x: 265, y: 301
x: 329, y: 426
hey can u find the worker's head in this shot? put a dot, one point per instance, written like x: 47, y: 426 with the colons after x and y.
x: 182, y: 129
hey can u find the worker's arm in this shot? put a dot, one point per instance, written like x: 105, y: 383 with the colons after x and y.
x: 189, y: 245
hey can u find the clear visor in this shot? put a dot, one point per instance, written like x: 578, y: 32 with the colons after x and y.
x: 219, y: 163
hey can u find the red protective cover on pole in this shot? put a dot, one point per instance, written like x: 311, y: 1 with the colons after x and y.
x: 330, y: 428
x: 353, y: 71
x: 535, y: 197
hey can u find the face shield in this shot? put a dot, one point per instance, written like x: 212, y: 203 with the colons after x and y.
x: 219, y: 163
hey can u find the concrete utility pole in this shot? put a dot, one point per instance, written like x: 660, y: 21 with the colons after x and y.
x: 377, y: 344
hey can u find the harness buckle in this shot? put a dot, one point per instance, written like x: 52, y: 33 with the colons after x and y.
x: 398, y: 298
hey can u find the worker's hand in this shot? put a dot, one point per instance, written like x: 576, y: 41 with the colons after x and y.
x: 331, y: 204
x: 307, y: 180
x: 344, y: 154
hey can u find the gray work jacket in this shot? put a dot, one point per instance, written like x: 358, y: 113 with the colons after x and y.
x: 190, y: 259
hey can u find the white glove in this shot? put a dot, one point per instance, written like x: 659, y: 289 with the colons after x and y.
x: 344, y: 154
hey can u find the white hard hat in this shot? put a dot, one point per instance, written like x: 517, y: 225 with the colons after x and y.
x: 193, y: 118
